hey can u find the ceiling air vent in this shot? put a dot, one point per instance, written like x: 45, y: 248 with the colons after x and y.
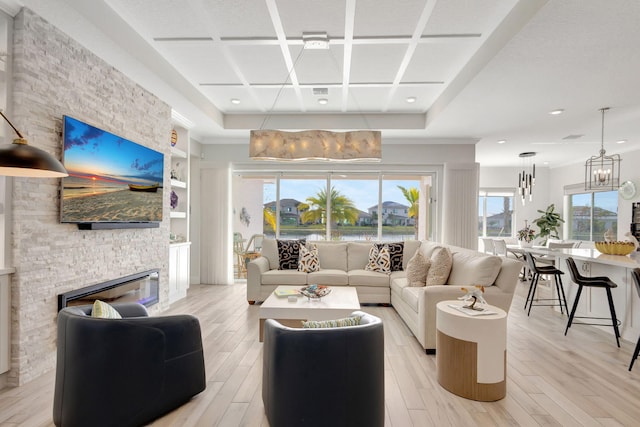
x: 570, y: 137
x: 320, y: 91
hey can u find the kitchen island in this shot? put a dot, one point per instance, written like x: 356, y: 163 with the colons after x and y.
x: 593, y: 302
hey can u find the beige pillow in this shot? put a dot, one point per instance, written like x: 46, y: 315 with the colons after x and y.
x: 474, y: 269
x: 417, y: 269
x: 441, y: 261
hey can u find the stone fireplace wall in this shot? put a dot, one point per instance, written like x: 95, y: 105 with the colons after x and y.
x: 54, y: 75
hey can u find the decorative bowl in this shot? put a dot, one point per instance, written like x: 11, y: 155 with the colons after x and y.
x: 615, y: 248
x: 315, y: 291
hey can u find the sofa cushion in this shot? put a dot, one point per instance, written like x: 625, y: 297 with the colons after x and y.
x: 379, y: 259
x: 473, y: 268
x: 332, y: 255
x: 417, y: 269
x: 270, y: 252
x: 411, y: 295
x: 308, y: 258
x: 427, y: 247
x: 398, y: 284
x: 410, y: 249
x: 363, y: 277
x: 329, y: 276
x: 358, y: 255
x: 441, y: 263
x: 288, y: 251
x: 396, y: 250
x: 284, y: 277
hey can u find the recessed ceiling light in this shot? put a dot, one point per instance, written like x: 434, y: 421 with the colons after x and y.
x: 411, y: 99
x: 235, y: 101
x: 323, y: 101
x: 622, y: 141
x: 502, y: 141
x: 556, y: 112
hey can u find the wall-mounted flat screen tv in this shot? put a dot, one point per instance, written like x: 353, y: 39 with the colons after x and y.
x: 111, y: 179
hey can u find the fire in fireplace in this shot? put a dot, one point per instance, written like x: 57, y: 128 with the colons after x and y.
x: 140, y: 287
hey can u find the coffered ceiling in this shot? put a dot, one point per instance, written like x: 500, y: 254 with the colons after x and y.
x: 476, y: 70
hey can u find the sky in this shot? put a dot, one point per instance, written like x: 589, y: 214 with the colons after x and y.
x: 364, y: 192
x: 91, y: 152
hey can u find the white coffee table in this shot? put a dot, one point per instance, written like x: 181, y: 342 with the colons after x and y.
x: 341, y: 302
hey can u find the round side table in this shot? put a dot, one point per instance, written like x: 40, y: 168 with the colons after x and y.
x: 471, y: 352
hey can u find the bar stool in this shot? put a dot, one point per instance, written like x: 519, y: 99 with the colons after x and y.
x: 594, y: 282
x: 537, y: 270
x: 635, y: 273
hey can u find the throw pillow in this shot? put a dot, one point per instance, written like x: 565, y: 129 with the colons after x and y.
x: 379, y: 259
x: 441, y: 261
x: 395, y: 253
x: 104, y: 311
x: 288, y: 252
x: 308, y: 258
x: 417, y: 269
x: 337, y: 323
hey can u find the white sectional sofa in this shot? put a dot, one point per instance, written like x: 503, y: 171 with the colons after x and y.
x: 343, y: 264
x: 417, y: 305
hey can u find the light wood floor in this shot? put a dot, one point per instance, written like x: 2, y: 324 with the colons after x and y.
x: 553, y: 380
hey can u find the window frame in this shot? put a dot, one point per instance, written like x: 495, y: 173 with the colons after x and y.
x: 485, y: 192
x: 574, y: 190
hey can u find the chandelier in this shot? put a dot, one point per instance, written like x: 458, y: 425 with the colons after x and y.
x: 602, y: 172
x: 315, y: 144
x: 527, y: 178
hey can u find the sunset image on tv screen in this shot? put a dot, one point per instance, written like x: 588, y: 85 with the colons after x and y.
x: 111, y: 179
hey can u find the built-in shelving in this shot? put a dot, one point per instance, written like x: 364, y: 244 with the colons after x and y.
x: 179, y: 248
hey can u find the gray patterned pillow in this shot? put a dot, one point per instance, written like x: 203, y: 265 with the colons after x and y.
x: 441, y: 262
x: 308, y: 258
x: 417, y: 269
x: 288, y: 252
x: 379, y: 259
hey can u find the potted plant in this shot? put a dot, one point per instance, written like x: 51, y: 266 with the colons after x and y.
x: 548, y: 224
x: 526, y: 236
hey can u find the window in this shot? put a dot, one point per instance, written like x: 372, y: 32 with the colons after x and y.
x: 495, y: 213
x: 295, y: 205
x: 591, y: 214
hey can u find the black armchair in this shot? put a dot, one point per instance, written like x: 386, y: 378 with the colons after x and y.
x: 324, y: 377
x: 124, y: 372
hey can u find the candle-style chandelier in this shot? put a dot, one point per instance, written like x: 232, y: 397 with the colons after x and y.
x: 527, y: 178
x: 602, y: 172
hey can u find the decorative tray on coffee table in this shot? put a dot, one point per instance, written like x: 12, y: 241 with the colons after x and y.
x: 315, y: 291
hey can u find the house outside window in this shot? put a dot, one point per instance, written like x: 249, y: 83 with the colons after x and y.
x: 495, y: 213
x: 591, y: 214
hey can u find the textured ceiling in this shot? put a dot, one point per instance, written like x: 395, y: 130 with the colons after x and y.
x: 479, y: 70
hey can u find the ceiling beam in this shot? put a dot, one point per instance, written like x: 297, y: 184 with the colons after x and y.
x: 337, y: 121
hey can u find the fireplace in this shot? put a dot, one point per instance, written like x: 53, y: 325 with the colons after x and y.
x: 140, y: 287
